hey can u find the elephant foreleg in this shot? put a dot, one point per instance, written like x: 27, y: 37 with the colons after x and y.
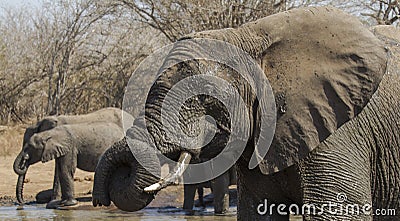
x: 67, y: 166
x: 188, y: 201
x: 259, y: 195
x: 200, y: 193
x: 56, y: 184
x: 220, y: 189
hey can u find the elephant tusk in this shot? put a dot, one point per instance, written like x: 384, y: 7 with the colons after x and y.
x: 25, y: 158
x: 171, y: 178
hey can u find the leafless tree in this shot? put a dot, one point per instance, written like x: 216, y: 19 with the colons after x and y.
x: 76, y: 56
x: 175, y: 18
x: 67, y: 57
x: 384, y: 12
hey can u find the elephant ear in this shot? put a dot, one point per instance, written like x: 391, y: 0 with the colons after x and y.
x: 54, y: 147
x: 324, y: 67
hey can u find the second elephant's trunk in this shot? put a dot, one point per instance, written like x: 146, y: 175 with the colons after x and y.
x: 21, y: 163
x: 20, y: 167
x: 121, y: 179
x: 19, y: 188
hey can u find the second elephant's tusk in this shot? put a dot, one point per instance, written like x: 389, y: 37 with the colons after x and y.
x: 171, y: 178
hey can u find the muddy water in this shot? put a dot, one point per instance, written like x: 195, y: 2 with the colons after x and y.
x: 39, y: 212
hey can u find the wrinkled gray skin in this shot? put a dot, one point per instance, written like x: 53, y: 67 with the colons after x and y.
x: 219, y: 187
x: 109, y: 114
x: 336, y: 86
x: 72, y: 146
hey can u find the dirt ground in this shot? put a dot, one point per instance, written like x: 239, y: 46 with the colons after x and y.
x: 40, y: 176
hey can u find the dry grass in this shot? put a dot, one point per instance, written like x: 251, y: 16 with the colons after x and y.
x: 11, y: 139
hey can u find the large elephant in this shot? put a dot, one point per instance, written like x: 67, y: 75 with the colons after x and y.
x: 72, y: 146
x: 336, y: 87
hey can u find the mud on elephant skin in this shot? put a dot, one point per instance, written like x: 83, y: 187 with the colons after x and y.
x: 72, y: 146
x: 338, y: 87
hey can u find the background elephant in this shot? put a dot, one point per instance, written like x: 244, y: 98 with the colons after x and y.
x: 219, y: 187
x: 336, y: 89
x: 109, y: 114
x: 72, y: 146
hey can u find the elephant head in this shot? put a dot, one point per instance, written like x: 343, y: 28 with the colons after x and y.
x: 46, y: 123
x: 40, y: 147
x: 323, y: 67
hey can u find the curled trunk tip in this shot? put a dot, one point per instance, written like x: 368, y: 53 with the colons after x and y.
x: 120, y: 178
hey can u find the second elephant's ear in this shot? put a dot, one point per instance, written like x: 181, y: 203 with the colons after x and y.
x: 53, y: 148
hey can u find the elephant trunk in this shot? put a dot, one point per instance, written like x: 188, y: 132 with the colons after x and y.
x: 21, y: 163
x: 21, y: 167
x: 120, y: 178
x: 19, y: 188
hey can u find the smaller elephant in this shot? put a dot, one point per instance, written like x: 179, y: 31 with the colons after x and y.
x: 219, y: 187
x: 106, y: 115
x: 72, y: 146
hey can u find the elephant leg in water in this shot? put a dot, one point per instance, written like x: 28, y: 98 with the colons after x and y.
x: 220, y: 189
x: 67, y: 165
x: 200, y: 193
x: 56, y: 184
